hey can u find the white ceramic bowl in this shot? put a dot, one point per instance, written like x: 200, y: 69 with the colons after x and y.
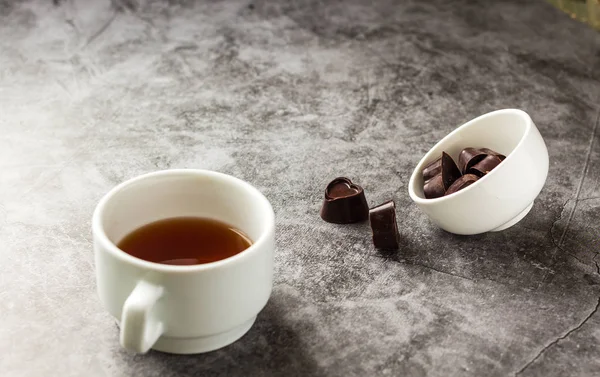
x: 502, y: 197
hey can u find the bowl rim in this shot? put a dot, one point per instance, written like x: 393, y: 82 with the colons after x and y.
x: 417, y: 199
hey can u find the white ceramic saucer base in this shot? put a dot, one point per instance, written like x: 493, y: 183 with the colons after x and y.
x: 202, y: 344
x: 514, y: 220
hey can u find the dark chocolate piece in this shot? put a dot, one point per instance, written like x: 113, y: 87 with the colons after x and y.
x: 384, y: 227
x: 469, y: 157
x: 344, y: 202
x: 485, y: 166
x: 461, y: 183
x: 450, y: 171
x: 432, y: 169
x: 434, y: 188
x: 437, y: 186
x: 489, y: 151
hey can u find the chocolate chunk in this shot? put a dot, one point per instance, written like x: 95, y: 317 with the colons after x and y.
x: 344, y: 202
x: 437, y: 186
x: 489, y: 151
x: 432, y: 169
x: 384, y: 227
x: 469, y: 157
x: 461, y: 183
x: 485, y: 166
x: 434, y: 188
x: 450, y: 171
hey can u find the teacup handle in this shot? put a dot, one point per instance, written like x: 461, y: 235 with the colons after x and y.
x: 140, y: 328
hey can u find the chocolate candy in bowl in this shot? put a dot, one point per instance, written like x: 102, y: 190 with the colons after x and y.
x: 504, y: 195
x: 469, y: 157
x: 461, y: 183
x: 445, y: 176
x: 484, y: 166
x: 432, y: 170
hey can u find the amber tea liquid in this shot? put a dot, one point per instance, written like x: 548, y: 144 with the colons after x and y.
x: 185, y: 241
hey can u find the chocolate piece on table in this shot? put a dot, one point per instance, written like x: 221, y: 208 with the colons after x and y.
x: 464, y: 181
x: 485, y: 166
x: 437, y: 186
x: 469, y: 157
x: 432, y: 169
x: 344, y: 202
x: 384, y: 226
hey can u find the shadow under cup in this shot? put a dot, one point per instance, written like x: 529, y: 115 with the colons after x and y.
x: 183, y: 309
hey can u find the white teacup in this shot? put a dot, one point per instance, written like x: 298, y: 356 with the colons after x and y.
x: 183, y: 309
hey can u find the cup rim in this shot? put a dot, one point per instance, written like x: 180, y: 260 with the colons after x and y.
x: 111, y: 247
x: 417, y: 199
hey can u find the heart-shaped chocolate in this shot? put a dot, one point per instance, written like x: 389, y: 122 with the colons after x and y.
x: 341, y: 188
x: 344, y: 202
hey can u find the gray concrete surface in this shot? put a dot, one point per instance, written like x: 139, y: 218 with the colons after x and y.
x: 288, y: 95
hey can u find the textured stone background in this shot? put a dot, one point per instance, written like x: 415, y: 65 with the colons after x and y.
x: 287, y: 95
